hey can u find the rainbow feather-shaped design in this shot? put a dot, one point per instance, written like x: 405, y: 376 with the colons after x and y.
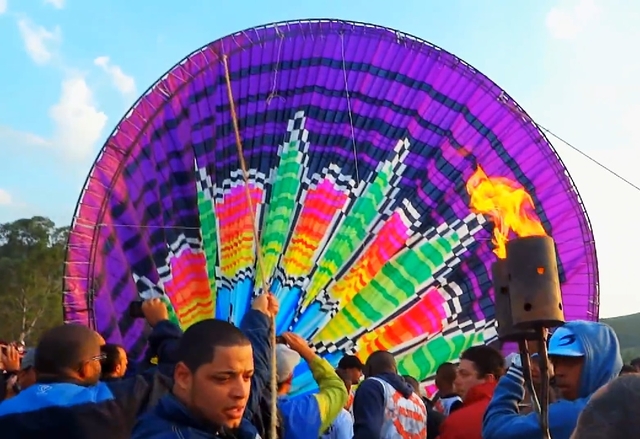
x: 354, y: 268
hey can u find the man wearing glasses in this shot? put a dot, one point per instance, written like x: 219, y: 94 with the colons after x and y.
x: 68, y: 399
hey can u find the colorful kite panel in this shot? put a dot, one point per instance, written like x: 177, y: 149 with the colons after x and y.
x: 385, y: 176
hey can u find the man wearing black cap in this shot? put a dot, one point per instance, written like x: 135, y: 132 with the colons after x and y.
x: 353, y: 367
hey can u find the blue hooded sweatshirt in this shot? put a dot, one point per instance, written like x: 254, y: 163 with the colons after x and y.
x: 369, y: 405
x: 602, y: 363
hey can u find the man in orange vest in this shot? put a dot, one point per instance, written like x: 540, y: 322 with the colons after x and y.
x: 385, y: 406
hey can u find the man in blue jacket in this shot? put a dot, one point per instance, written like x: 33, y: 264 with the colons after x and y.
x: 385, y: 406
x: 68, y: 400
x: 585, y: 356
x: 221, y: 376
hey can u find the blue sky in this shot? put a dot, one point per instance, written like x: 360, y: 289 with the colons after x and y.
x: 71, y: 69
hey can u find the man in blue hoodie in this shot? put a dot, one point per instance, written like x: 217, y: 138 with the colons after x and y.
x: 384, y: 392
x: 585, y: 356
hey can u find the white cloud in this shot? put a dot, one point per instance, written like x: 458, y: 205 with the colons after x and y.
x: 5, y: 198
x: 123, y: 82
x: 38, y: 41
x: 3, y: 6
x: 568, y: 21
x: 58, y: 4
x: 78, y: 123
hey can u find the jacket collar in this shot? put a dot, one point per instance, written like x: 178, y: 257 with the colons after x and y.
x: 480, y: 392
x: 171, y: 409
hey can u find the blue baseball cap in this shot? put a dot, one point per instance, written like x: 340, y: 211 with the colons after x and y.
x: 565, y: 343
x: 29, y: 359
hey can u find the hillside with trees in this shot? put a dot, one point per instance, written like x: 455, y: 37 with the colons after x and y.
x: 628, y: 330
x: 31, y: 268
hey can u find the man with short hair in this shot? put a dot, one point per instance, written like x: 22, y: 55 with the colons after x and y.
x: 477, y: 375
x: 446, y: 400
x: 68, y: 400
x: 385, y: 405
x: 211, y: 387
x: 612, y: 412
x: 218, y: 381
x: 585, y: 357
x: 114, y: 365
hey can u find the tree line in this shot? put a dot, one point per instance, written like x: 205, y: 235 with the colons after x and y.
x: 32, y: 253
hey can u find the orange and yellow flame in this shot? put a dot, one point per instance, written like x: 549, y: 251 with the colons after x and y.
x: 508, y: 205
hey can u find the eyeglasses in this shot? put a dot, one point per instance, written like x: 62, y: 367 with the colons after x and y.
x: 98, y: 357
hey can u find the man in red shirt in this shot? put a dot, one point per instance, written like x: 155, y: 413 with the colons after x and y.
x: 478, y: 373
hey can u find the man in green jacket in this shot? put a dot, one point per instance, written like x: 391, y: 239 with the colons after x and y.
x: 307, y: 416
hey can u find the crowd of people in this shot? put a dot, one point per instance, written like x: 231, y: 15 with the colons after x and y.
x: 214, y: 381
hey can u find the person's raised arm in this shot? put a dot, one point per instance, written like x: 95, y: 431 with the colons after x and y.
x: 332, y: 394
x: 138, y: 393
x: 256, y: 325
x: 165, y: 335
x: 503, y: 421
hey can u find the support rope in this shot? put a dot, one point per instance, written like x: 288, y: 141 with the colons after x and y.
x: 273, y: 427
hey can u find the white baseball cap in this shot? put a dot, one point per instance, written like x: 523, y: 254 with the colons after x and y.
x: 565, y: 343
x: 286, y: 361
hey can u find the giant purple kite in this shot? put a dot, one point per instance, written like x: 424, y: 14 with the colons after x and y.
x: 385, y: 176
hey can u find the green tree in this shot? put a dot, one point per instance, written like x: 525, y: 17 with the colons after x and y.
x: 31, y: 267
